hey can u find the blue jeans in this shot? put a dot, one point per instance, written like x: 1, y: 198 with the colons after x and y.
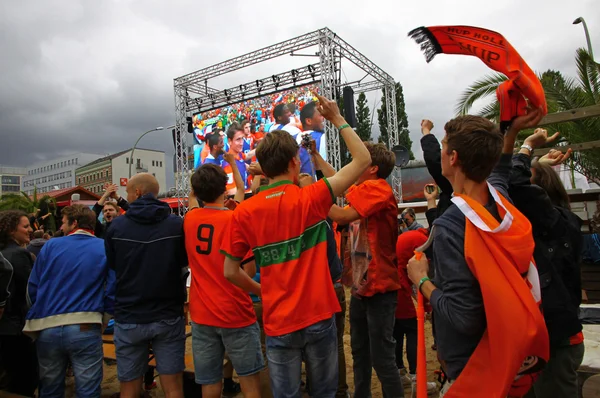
x: 132, y: 343
x: 82, y: 344
x: 318, y: 344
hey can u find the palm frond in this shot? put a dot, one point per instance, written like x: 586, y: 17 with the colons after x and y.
x: 478, y: 90
x: 491, y: 112
x: 588, y: 72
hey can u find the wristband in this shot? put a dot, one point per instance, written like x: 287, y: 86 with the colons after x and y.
x: 423, y: 280
x: 528, y: 147
x: 343, y: 126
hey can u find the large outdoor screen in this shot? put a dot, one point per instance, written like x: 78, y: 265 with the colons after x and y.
x: 258, y: 110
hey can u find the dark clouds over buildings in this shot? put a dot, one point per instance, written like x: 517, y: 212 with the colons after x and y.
x: 79, y: 76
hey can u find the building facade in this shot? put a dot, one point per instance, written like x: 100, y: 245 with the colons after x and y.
x: 11, y: 179
x: 114, y: 169
x: 54, y: 174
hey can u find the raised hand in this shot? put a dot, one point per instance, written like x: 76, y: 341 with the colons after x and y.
x: 433, y: 195
x: 229, y: 157
x: 555, y: 157
x: 328, y: 109
x: 255, y: 169
x: 426, y: 126
x: 540, y: 138
x: 527, y: 121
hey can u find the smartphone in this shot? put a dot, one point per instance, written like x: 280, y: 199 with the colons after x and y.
x: 430, y: 188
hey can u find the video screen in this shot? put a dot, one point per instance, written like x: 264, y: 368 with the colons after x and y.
x: 259, y: 111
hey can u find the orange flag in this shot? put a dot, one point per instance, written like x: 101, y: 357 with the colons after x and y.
x: 497, y: 53
x: 515, y: 345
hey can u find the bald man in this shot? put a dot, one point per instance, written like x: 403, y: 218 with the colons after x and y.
x: 146, y: 249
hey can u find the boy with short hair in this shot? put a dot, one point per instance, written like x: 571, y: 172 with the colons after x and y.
x: 222, y: 314
x: 481, y: 290
x: 290, y: 244
x: 373, y: 304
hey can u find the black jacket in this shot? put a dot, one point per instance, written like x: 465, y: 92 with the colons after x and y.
x: 433, y: 160
x: 100, y: 230
x: 15, y: 310
x: 6, y: 273
x: 558, y: 248
x: 146, y: 248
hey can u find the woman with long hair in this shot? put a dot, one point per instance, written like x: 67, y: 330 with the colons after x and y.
x: 537, y: 191
x: 18, y: 360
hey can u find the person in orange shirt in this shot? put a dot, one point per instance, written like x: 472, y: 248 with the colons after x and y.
x: 406, y: 316
x: 373, y: 209
x: 289, y: 240
x: 223, y: 317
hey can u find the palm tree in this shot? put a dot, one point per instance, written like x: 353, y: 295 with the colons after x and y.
x: 562, y: 94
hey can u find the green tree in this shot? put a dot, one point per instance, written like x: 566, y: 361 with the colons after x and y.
x: 562, y: 94
x: 403, y: 132
x: 30, y: 205
x: 363, y: 118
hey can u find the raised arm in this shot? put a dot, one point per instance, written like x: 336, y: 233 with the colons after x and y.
x: 361, y: 159
x: 237, y: 177
x: 320, y: 163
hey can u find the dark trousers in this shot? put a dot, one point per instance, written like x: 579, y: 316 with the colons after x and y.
x: 340, y: 323
x: 408, y: 328
x: 373, y: 345
x: 19, y: 371
x: 559, y: 377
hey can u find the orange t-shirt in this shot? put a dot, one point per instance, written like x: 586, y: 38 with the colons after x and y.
x: 286, y: 229
x: 375, y: 202
x: 214, y: 301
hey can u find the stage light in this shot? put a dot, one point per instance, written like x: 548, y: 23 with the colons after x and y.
x: 259, y: 85
x: 311, y: 70
x: 295, y: 74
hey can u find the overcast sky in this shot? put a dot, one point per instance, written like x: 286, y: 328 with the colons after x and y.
x: 91, y: 76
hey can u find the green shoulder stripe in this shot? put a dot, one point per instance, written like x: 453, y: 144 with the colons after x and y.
x: 223, y: 252
x: 330, y: 190
x: 291, y: 249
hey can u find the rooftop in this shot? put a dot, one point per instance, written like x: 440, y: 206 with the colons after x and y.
x: 116, y: 155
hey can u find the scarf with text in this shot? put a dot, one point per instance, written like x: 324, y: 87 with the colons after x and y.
x: 498, y: 54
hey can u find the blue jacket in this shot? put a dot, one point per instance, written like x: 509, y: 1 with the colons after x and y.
x: 146, y: 248
x: 70, y: 283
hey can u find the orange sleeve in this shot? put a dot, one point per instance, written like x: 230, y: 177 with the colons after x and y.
x: 368, y: 198
x: 235, y: 245
x: 318, y: 199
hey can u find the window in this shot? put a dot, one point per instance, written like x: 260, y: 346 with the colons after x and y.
x: 127, y: 160
x: 69, y: 162
x: 153, y: 163
x: 161, y: 163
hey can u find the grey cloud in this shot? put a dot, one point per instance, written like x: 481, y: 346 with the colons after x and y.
x: 92, y: 76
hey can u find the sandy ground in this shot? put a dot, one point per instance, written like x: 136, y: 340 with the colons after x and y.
x: 110, y: 384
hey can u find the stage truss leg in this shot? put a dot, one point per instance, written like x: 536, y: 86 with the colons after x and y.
x: 394, y: 135
x: 182, y: 175
x: 328, y: 87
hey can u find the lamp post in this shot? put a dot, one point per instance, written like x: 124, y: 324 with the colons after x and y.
x: 587, y: 35
x: 135, y: 145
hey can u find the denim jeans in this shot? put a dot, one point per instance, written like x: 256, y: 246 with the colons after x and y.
x: 318, y: 344
x: 82, y: 344
x: 373, y: 345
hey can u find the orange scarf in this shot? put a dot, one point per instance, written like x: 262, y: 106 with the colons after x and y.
x: 515, y: 345
x: 497, y: 53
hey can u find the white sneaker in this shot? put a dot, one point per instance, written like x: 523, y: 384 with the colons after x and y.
x: 432, y: 387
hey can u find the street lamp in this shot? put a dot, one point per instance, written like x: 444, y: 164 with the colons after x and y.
x: 135, y: 145
x: 587, y: 35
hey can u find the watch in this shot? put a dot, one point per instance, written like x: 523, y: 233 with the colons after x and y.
x: 528, y: 147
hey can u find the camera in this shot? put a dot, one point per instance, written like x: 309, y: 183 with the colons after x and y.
x: 306, y: 139
x: 430, y: 188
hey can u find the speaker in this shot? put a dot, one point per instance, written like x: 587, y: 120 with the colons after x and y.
x: 349, y: 112
x: 402, y: 155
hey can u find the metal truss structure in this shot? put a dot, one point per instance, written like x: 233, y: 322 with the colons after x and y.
x: 193, y: 95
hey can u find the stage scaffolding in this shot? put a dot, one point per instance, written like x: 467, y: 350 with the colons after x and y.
x: 194, y: 95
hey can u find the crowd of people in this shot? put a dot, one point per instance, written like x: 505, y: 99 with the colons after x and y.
x: 269, y: 258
